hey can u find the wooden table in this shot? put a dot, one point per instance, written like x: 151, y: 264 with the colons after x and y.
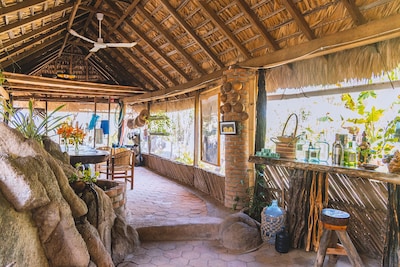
x: 87, y: 155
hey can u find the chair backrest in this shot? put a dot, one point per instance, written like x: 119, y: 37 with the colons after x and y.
x: 123, y: 157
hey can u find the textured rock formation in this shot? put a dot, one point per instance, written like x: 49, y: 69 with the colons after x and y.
x: 43, y: 220
x: 239, y: 233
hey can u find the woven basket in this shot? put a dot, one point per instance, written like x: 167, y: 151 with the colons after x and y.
x: 270, y: 226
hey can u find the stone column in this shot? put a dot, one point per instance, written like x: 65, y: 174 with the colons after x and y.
x: 236, y: 108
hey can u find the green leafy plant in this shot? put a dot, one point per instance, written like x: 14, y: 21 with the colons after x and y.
x: 381, y: 138
x: 84, y: 175
x: 26, y: 123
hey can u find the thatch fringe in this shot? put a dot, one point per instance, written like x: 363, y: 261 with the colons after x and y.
x: 358, y: 63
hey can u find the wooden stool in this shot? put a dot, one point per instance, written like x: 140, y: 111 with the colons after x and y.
x: 336, y: 220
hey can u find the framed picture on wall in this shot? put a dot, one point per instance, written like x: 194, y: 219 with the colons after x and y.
x: 227, y: 127
x: 209, y: 129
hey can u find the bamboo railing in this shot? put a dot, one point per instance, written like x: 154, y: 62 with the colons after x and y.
x: 370, y: 197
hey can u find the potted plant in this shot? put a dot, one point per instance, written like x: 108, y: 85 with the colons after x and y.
x: 83, y: 177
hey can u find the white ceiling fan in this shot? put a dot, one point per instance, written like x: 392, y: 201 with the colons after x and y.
x: 100, y: 43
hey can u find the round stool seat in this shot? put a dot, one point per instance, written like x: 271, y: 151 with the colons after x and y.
x: 335, y: 217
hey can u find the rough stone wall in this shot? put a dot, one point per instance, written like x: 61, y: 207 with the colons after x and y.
x: 43, y: 221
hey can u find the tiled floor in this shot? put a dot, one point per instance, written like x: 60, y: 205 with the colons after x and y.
x: 158, y: 201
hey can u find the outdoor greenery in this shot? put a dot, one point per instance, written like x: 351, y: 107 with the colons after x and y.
x: 381, y: 138
x: 160, y: 124
x: 31, y: 125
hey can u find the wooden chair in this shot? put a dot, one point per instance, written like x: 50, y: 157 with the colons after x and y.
x: 102, y: 167
x: 121, y: 165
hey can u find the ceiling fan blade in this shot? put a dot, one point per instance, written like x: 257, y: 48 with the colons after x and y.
x: 121, y: 44
x: 97, y: 47
x: 74, y: 33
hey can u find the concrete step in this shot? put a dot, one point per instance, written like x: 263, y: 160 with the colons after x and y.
x: 204, y: 228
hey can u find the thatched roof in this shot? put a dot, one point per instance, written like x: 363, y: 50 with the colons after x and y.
x: 182, y: 45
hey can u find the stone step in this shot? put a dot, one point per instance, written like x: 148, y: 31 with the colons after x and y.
x: 204, y: 228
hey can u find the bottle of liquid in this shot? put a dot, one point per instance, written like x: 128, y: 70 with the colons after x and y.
x: 364, y: 150
x: 350, y: 155
x: 337, y: 151
x: 274, y: 217
x: 323, y: 148
x: 301, y: 145
x: 313, y: 154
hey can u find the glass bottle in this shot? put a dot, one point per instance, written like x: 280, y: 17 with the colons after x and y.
x: 323, y: 148
x: 350, y: 155
x: 274, y: 218
x: 337, y: 151
x: 313, y: 154
x: 301, y: 145
x: 273, y: 210
x: 364, y: 150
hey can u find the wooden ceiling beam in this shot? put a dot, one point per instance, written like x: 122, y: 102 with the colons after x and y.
x: 19, y: 5
x: 145, y: 39
x: 96, y: 9
x: 121, y: 69
x: 142, y: 77
x: 65, y: 92
x: 170, y: 39
x: 365, y: 34
x: 69, y: 25
x: 354, y: 12
x: 192, y: 33
x: 144, y: 66
x: 15, y: 79
x: 44, y: 61
x: 61, y: 99
x: 369, y: 33
x: 298, y: 17
x: 224, y: 29
x: 148, y: 58
x: 255, y: 21
x: 50, y: 12
x: 91, y: 15
x: 31, y: 51
x: 121, y: 19
x: 12, y: 53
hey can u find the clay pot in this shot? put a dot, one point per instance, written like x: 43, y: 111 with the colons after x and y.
x: 227, y: 87
x: 221, y: 110
x: 238, y: 107
x: 224, y: 97
x: 237, y: 86
x: 244, y: 116
x: 227, y: 107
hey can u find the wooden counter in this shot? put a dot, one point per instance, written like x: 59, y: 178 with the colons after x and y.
x: 380, y: 174
x: 371, y: 197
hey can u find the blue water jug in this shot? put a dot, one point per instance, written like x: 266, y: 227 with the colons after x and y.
x: 274, y: 210
x: 273, y: 221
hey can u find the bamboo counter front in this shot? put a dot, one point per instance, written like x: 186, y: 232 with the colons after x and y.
x: 370, y: 197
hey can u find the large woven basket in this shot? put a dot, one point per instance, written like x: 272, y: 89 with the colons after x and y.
x: 270, y: 226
